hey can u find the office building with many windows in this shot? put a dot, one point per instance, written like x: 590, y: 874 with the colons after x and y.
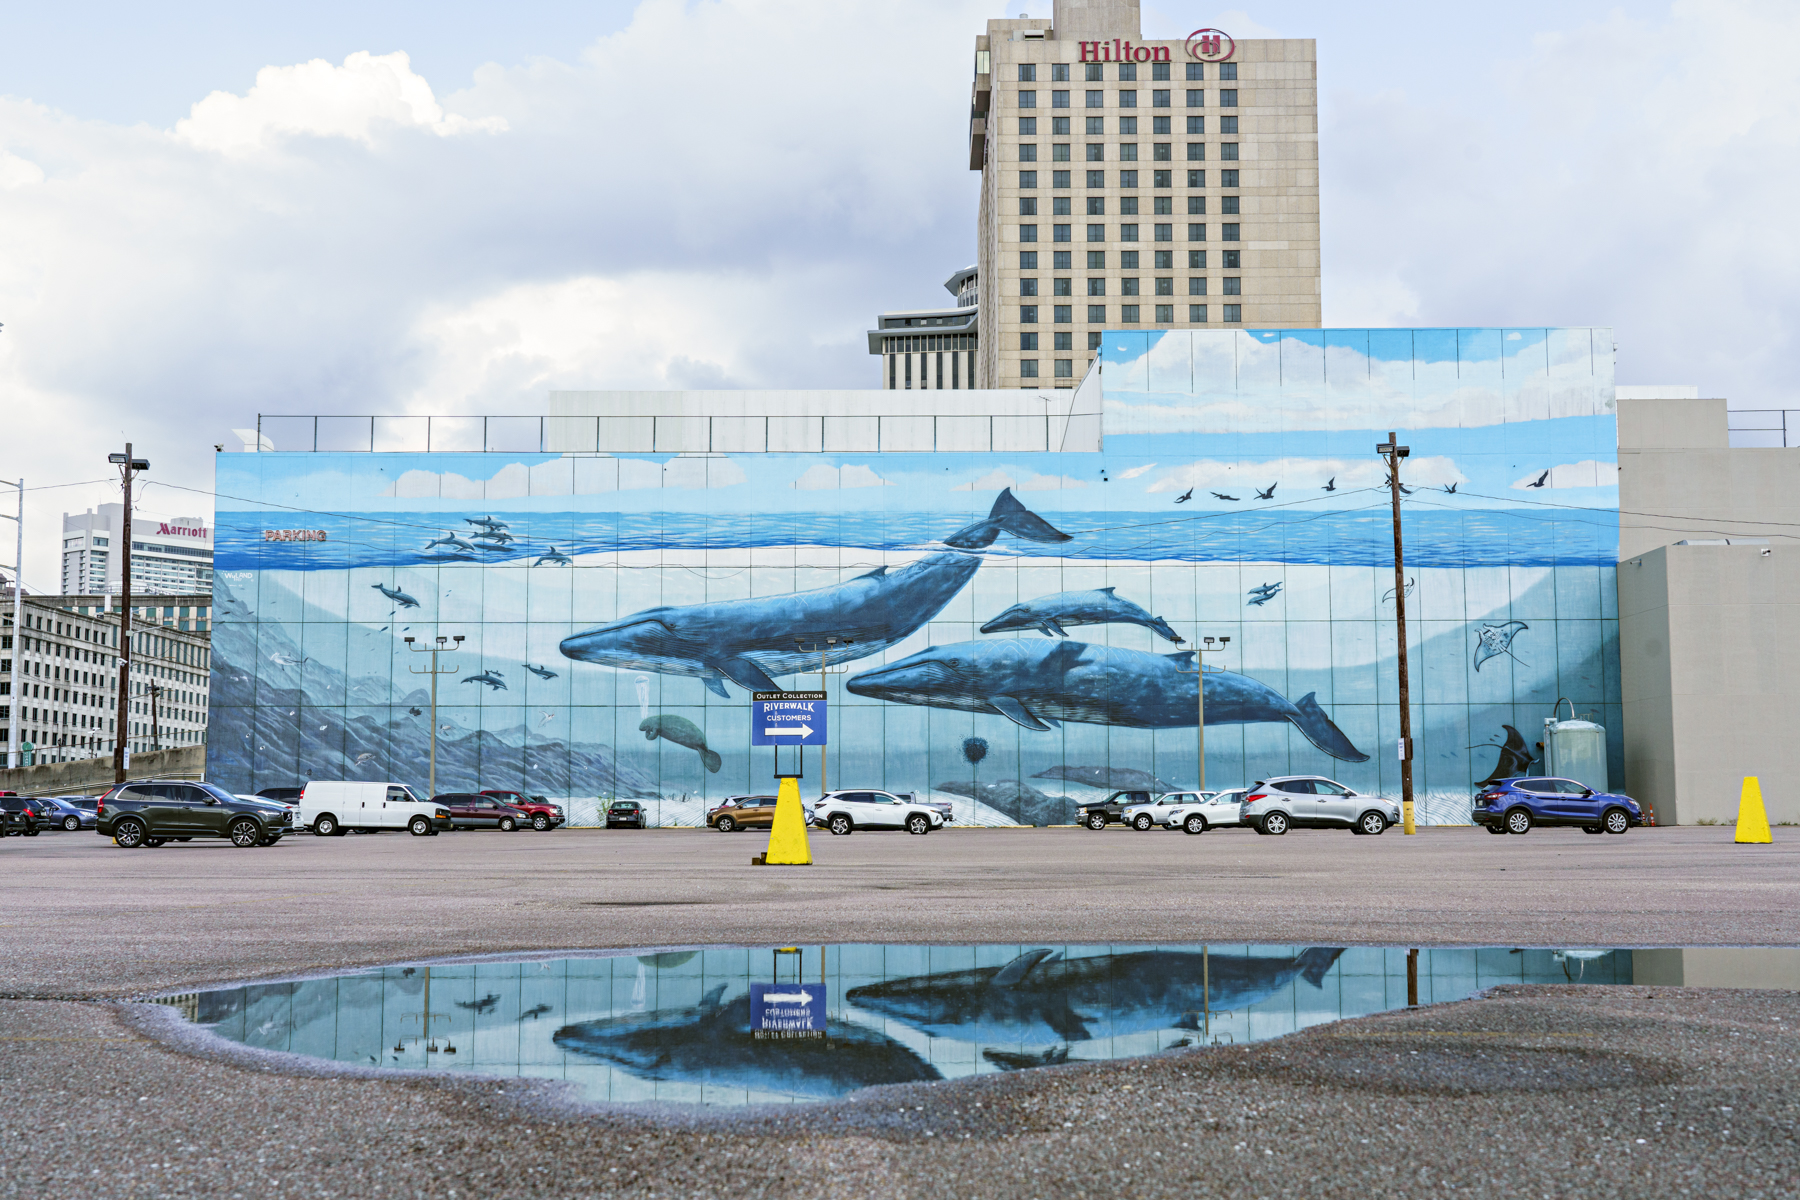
x: 931, y: 349
x: 168, y: 557
x: 1131, y: 184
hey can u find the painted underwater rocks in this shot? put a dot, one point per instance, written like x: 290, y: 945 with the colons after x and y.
x: 1494, y: 640
x: 682, y: 732
x: 1036, y: 684
x: 1041, y: 997
x: 1050, y: 614
x: 749, y: 642
x: 712, y: 1043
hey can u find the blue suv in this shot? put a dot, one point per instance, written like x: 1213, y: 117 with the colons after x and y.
x: 1515, y: 805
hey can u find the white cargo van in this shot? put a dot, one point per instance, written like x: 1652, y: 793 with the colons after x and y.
x: 333, y: 807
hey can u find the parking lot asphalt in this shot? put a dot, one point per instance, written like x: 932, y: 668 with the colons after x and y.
x: 1539, y: 1091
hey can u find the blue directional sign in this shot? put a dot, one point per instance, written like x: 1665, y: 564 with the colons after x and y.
x: 787, y: 1010
x: 787, y: 719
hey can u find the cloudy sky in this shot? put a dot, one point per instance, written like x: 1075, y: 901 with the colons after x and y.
x: 212, y: 209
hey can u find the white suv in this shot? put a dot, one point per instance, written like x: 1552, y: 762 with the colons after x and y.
x: 1143, y: 816
x: 842, y: 812
x: 1276, y: 805
x: 1197, y: 812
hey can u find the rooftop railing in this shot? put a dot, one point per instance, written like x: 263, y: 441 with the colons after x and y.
x: 1766, y: 427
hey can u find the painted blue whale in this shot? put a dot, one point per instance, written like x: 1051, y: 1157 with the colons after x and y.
x: 1037, y: 683
x: 750, y: 642
x: 1097, y: 607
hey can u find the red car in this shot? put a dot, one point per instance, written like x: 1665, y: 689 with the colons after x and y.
x: 540, y: 814
x: 471, y: 811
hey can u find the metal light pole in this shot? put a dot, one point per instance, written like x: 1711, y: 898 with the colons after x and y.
x: 15, y: 753
x: 434, y: 672
x: 1202, y: 646
x: 155, y: 728
x: 1393, y: 453
x: 824, y: 646
x: 129, y: 468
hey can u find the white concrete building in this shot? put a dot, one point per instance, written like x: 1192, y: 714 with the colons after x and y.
x: 168, y: 557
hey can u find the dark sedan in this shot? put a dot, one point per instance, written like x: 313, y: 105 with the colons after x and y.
x: 69, y: 812
x: 1515, y: 805
x: 625, y: 814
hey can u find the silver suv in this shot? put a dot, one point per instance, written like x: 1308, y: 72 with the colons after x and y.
x: 1274, y: 806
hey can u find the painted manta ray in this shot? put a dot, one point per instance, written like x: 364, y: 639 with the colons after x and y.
x: 1100, y: 607
x: 750, y: 642
x: 1036, y: 683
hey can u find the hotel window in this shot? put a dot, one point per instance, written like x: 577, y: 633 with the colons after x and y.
x: 1228, y: 179
x: 1096, y: 314
x: 1196, y: 206
x: 1197, y: 262
x: 1159, y: 98
x: 1059, y: 72
x: 1196, y: 178
x: 1165, y: 287
x: 1234, y: 286
x: 1128, y: 314
x: 1228, y: 70
x: 1027, y: 126
x: 1059, y: 152
x: 1127, y: 72
x: 1062, y: 260
x: 1196, y: 98
x: 1027, y: 179
x: 1196, y: 152
x: 1228, y: 151
x: 1196, y: 126
x: 1028, y: 233
x: 1096, y: 152
x: 1027, y: 99
x: 1128, y: 260
x: 1059, y: 206
x: 1096, y: 99
x: 1128, y: 99
x: 1028, y: 206
x: 1228, y: 98
x: 1061, y: 287
x: 1229, y: 259
x: 1097, y: 287
x: 1064, y: 340
x: 1096, y: 179
x: 1161, y: 127
x: 1028, y: 341
x: 1027, y: 151
x: 1197, y: 314
x: 1159, y: 72
x: 1128, y: 152
x: 1233, y: 312
x: 1065, y: 368
x: 1028, y: 260
x: 1127, y: 126
x: 1059, y: 179
x: 1197, y: 286
x: 1064, y: 314
x: 1096, y: 206
x: 1128, y: 206
x: 1028, y: 368
x: 1096, y: 126
x: 1165, y: 314
x: 1228, y: 125
x: 1165, y: 260
x: 1196, y: 232
x: 1028, y: 314
x: 1096, y: 260
x: 1129, y: 285
x: 1028, y: 287
x: 1196, y: 71
x: 1096, y: 233
x: 1162, y: 179
x: 1128, y: 233
x: 1127, y: 179
x: 1093, y: 73
x: 1060, y: 98
x: 1228, y: 204
x: 1228, y: 233
x: 1165, y: 205
x: 1094, y: 336
x: 1161, y: 151
x: 1059, y: 127
x: 1059, y: 233
x: 1027, y: 72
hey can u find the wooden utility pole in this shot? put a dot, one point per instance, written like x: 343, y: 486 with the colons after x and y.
x: 1393, y: 454
x: 129, y: 467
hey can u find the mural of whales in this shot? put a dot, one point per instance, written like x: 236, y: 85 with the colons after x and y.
x: 1098, y: 607
x: 1037, y: 683
x: 749, y: 642
x: 1043, y: 998
x: 711, y: 1043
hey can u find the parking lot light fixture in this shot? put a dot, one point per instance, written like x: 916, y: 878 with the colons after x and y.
x: 434, y: 671
x: 1202, y: 646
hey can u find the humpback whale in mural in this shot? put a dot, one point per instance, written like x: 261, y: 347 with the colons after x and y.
x: 1099, y: 607
x: 749, y: 642
x: 1036, y: 683
x: 1041, y: 997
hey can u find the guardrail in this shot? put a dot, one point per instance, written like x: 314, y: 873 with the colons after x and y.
x: 1764, y: 427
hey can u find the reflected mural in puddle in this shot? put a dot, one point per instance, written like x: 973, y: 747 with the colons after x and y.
x: 675, y: 1027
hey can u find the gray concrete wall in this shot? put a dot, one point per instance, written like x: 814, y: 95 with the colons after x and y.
x: 93, y: 775
x: 1679, y: 479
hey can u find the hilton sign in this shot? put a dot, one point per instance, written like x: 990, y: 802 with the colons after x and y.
x: 1207, y: 45
x: 1210, y: 45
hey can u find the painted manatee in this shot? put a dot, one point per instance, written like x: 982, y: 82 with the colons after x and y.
x: 1097, y: 607
x: 682, y: 732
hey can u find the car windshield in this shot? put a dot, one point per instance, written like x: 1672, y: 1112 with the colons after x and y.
x: 217, y: 793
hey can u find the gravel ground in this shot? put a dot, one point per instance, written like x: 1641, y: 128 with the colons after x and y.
x: 1529, y: 1091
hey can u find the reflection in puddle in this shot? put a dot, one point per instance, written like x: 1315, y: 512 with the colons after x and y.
x: 675, y: 1027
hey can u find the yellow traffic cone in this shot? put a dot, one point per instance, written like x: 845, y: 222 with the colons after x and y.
x: 1753, y: 819
x: 787, y: 836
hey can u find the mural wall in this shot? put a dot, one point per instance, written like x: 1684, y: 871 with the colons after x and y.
x: 1014, y: 631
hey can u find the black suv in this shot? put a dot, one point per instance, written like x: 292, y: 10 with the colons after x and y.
x: 21, y: 815
x: 150, y: 812
x: 1096, y: 816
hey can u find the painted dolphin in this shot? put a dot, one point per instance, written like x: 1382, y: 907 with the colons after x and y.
x: 555, y: 557
x: 450, y: 539
x: 491, y: 678
x: 540, y: 672
x: 1043, y: 998
x: 396, y: 595
x: 492, y: 539
x: 1035, y: 683
x: 712, y: 1043
x: 749, y: 642
x: 682, y: 732
x: 485, y: 522
x: 1099, y: 607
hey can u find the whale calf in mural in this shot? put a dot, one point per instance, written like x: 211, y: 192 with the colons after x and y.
x: 1036, y: 683
x: 749, y: 642
x: 1111, y: 778
x: 712, y: 1043
x: 1096, y: 607
x: 1041, y: 997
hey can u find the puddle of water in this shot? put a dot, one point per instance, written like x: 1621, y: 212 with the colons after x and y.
x: 675, y: 1027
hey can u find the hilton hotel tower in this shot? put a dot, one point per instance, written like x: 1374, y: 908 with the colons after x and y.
x: 1125, y: 183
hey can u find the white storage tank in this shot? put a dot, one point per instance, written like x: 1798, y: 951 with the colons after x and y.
x: 1575, y: 749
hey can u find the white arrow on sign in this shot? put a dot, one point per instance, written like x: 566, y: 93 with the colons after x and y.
x: 801, y: 997
x: 803, y: 731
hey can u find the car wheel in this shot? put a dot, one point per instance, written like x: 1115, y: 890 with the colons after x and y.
x: 72, y: 824
x: 1275, y: 824
x: 540, y: 822
x: 326, y: 825
x: 1616, y: 820
x: 507, y: 824
x: 1195, y: 824
x: 1097, y: 821
x: 419, y: 826
x: 1142, y: 822
x: 1518, y: 821
x: 918, y: 824
x: 1372, y: 823
x: 129, y: 834
x: 245, y: 834
x: 726, y: 824
x: 1496, y: 827
x: 839, y: 825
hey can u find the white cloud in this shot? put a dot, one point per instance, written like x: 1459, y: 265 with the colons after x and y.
x: 570, y: 476
x: 319, y: 100
x: 1027, y: 481
x: 1049, y: 483
x: 993, y: 481
x: 1294, y: 476
x: 1586, y: 473
x: 821, y: 477
x: 16, y: 172
x: 1136, y: 471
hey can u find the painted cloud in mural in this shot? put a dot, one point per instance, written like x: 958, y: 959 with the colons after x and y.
x: 821, y: 477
